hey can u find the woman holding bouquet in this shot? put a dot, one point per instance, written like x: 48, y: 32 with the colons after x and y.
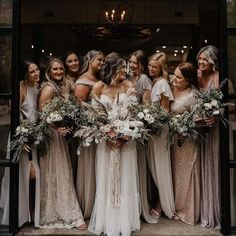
x: 116, y: 209
x: 208, y: 77
x: 185, y: 156
x: 158, y: 152
x: 143, y: 87
x: 59, y: 207
x: 85, y: 180
x: 29, y: 174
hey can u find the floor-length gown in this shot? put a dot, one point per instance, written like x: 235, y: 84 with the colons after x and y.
x: 116, y: 214
x: 186, y: 169
x: 85, y: 180
x: 143, y: 84
x: 59, y: 207
x: 210, y: 178
x: 29, y: 111
x: 158, y: 155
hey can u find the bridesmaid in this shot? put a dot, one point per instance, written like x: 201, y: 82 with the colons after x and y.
x: 143, y: 87
x: 158, y: 152
x: 208, y: 76
x: 59, y: 206
x: 85, y: 181
x: 185, y: 158
x: 29, y: 174
x: 72, y: 66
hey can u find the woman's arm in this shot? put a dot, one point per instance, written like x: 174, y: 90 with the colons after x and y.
x: 165, y: 102
x: 146, y: 98
x: 46, y: 96
x: 82, y: 92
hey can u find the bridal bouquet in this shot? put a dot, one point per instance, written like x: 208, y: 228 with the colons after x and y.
x: 29, y: 133
x: 182, y: 125
x: 153, y: 116
x: 63, y: 113
x: 110, y: 124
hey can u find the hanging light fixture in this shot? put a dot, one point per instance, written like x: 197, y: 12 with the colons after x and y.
x: 116, y: 12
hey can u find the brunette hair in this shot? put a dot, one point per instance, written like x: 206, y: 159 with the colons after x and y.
x: 189, y: 72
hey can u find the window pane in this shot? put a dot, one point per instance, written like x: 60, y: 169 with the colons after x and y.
x: 4, y: 126
x: 4, y: 195
x: 232, y: 74
x: 5, y: 63
x: 231, y: 13
x: 6, y: 13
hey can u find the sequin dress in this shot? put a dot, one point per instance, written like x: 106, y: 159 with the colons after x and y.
x: 186, y: 169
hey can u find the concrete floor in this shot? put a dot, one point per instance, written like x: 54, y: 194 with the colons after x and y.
x: 165, y: 227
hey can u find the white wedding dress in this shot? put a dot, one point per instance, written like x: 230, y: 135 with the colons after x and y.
x: 116, y: 212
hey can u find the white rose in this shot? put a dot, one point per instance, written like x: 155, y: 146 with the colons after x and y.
x: 145, y: 111
x: 24, y: 130
x: 214, y: 103
x: 207, y: 106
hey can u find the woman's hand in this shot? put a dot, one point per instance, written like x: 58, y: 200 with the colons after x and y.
x: 26, y: 147
x: 210, y: 121
x: 64, y: 131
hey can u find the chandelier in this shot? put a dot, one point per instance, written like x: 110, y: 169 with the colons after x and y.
x: 116, y: 12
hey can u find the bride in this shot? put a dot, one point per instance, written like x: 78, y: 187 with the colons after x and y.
x: 117, y: 205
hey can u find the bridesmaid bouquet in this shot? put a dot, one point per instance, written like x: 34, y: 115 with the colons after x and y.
x: 153, y: 116
x: 63, y: 113
x: 209, y: 103
x: 181, y: 126
x: 29, y: 133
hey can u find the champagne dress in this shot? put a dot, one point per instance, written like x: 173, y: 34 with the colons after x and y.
x: 186, y: 169
x: 59, y: 207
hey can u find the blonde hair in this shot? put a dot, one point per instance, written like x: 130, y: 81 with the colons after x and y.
x: 211, y: 53
x: 49, y: 66
x: 162, y: 59
x: 88, y: 58
x: 139, y: 54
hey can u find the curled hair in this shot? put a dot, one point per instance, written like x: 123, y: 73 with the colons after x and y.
x: 139, y: 54
x: 189, y: 72
x: 88, y: 58
x: 112, y: 64
x: 161, y: 58
x: 48, y: 68
x: 211, y: 53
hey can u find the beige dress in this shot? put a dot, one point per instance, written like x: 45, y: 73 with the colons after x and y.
x: 143, y: 83
x: 85, y: 180
x: 158, y: 155
x: 186, y: 169
x: 59, y: 207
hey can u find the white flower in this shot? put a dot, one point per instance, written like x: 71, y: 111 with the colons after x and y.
x: 214, y: 103
x: 217, y: 112
x: 24, y: 130
x: 145, y: 111
x: 140, y: 115
x: 208, y: 106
